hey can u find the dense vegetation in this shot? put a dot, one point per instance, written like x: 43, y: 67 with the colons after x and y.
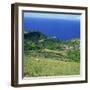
x: 47, y: 56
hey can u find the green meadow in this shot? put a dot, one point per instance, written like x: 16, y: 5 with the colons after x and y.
x: 45, y: 56
x: 35, y: 67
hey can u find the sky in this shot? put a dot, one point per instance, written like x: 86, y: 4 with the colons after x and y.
x: 61, y: 26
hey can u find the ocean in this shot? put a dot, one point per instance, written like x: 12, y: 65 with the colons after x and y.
x: 59, y: 28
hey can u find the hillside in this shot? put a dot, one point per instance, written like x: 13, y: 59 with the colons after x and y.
x: 40, y: 45
x: 49, y: 56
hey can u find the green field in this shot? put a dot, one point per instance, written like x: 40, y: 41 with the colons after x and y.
x: 47, y: 56
x: 34, y: 67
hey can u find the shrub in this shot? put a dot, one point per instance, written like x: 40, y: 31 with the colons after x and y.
x: 74, y: 55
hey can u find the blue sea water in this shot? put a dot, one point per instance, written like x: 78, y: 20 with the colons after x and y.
x: 60, y: 28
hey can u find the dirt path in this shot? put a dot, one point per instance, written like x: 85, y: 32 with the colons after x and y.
x: 53, y: 51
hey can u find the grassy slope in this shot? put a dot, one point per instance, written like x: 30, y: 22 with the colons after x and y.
x: 50, y: 57
x: 34, y: 67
